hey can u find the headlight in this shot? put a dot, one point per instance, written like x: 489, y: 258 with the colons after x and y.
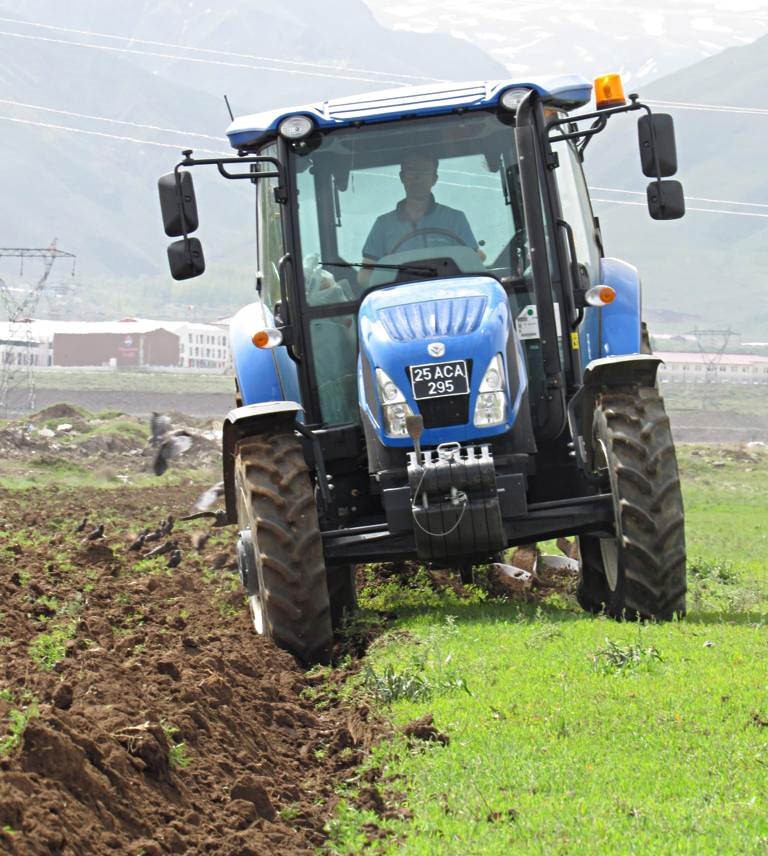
x: 491, y: 404
x: 393, y: 405
x: 296, y: 127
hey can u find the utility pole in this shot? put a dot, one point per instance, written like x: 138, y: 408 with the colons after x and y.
x: 712, y: 345
x: 18, y: 348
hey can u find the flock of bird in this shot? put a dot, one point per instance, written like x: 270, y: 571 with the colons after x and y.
x: 168, y: 443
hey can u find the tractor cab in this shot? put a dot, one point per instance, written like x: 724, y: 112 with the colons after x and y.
x: 434, y: 328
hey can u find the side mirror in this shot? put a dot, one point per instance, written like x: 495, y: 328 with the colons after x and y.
x: 666, y: 200
x: 656, y: 135
x: 175, y: 206
x: 185, y: 258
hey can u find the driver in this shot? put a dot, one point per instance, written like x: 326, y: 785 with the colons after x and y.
x: 418, y: 211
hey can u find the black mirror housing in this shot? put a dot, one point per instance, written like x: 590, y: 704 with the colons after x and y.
x: 174, y: 207
x: 666, y: 200
x: 656, y: 134
x: 185, y: 258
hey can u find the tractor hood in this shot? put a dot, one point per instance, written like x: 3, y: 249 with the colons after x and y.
x: 462, y: 321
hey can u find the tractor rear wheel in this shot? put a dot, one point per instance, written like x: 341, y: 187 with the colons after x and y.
x: 639, y: 573
x: 275, y: 501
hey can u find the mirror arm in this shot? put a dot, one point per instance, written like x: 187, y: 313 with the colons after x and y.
x: 600, y: 117
x: 278, y: 172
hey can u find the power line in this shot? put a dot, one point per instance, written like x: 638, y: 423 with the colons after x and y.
x: 197, y: 59
x: 692, y: 198
x: 297, y: 62
x: 714, y: 108
x: 108, y: 136
x: 687, y: 208
x: 113, y: 121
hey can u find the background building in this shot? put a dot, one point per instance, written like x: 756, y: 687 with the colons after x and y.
x: 713, y: 368
x: 129, y: 342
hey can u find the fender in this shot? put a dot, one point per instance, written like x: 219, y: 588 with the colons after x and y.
x: 263, y: 374
x: 249, y: 421
x: 640, y: 369
x: 614, y: 329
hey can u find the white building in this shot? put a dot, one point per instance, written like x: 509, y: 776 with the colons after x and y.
x: 203, y: 345
x: 200, y: 345
x: 713, y: 368
x: 22, y: 344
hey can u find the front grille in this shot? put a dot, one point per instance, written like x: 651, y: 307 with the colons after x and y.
x: 442, y: 412
x: 451, y: 316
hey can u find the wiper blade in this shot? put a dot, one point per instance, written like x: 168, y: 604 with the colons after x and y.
x: 422, y: 269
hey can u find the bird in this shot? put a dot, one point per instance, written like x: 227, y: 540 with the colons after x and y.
x: 166, y: 526
x: 97, y: 533
x: 174, y: 559
x: 168, y: 442
x: 171, y: 445
x: 158, y: 426
x: 200, y: 539
x: 138, y: 542
x: 206, y: 499
x: 155, y: 535
x: 83, y: 523
x: 168, y: 547
x: 220, y: 517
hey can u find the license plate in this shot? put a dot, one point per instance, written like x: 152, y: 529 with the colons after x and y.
x: 435, y: 380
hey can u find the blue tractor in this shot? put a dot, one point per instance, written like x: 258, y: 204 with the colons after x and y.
x: 440, y: 361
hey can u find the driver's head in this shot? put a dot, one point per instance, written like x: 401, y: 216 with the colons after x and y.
x: 418, y: 172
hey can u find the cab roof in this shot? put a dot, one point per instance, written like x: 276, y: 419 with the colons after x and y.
x: 564, y: 91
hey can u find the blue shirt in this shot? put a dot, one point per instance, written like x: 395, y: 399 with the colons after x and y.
x: 390, y: 228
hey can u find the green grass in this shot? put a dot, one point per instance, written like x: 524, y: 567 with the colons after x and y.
x: 132, y: 381
x: 573, y: 734
x: 178, y: 757
x: 46, y: 649
x: 16, y: 724
x: 717, y: 397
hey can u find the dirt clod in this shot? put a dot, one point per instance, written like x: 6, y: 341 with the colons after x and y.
x: 62, y: 697
x: 251, y: 791
x: 424, y: 728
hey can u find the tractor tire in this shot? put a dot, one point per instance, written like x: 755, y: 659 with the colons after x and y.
x: 639, y: 573
x: 275, y: 500
x: 342, y: 593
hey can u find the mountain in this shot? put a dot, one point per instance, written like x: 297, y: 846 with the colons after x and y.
x: 641, y: 41
x: 708, y: 269
x: 97, y: 194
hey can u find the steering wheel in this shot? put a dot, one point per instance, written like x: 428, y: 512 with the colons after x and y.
x: 429, y: 230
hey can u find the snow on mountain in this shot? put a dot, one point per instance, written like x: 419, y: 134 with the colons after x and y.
x: 642, y: 41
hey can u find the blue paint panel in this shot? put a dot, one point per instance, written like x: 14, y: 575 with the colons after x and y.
x: 614, y: 329
x: 262, y: 374
x: 425, y: 305
x: 567, y: 91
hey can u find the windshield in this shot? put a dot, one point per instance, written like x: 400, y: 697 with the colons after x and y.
x: 394, y: 202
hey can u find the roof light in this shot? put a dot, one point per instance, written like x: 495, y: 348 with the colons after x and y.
x: 600, y: 295
x: 296, y: 127
x: 609, y: 91
x: 510, y: 99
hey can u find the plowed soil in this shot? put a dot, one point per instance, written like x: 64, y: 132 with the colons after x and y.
x: 139, y: 712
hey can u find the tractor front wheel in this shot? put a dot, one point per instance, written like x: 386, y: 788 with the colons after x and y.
x: 275, y: 503
x: 639, y: 573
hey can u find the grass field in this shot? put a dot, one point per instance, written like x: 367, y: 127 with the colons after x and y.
x: 131, y: 381
x: 570, y: 734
